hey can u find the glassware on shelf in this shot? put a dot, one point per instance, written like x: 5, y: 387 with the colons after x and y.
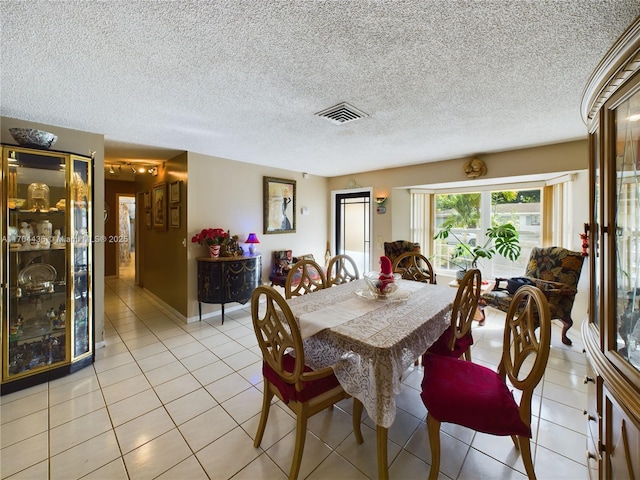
x: 38, y: 197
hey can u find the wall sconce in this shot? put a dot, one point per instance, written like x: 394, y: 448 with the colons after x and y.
x: 381, y: 200
x: 381, y: 208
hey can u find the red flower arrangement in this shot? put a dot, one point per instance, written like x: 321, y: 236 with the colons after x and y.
x: 211, y: 236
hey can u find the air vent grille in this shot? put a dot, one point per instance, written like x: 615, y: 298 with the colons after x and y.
x: 342, y: 113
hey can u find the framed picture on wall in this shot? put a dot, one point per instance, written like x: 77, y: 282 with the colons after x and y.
x: 147, y: 200
x: 159, y: 206
x: 279, y: 205
x: 174, y: 192
x: 174, y: 217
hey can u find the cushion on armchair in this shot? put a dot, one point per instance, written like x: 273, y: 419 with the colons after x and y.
x: 555, y: 271
x: 283, y: 260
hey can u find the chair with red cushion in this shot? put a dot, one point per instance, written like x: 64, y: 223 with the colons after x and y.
x: 305, y: 276
x: 456, y: 341
x: 305, y: 391
x: 464, y: 393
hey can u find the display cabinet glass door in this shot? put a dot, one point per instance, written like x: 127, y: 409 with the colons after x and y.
x: 79, y: 275
x: 35, y: 267
x: 627, y: 229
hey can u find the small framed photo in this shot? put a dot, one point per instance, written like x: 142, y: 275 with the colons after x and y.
x: 159, y: 206
x: 279, y: 205
x: 174, y: 217
x: 147, y: 200
x: 147, y: 218
x: 174, y: 192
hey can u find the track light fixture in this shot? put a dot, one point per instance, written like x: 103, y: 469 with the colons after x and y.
x: 111, y: 170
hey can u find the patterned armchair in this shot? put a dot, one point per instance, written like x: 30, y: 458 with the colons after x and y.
x: 392, y: 250
x: 555, y: 271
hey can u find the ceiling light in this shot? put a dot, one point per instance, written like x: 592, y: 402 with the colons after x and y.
x: 120, y: 169
x: 133, y: 169
x: 141, y: 169
x: 111, y: 170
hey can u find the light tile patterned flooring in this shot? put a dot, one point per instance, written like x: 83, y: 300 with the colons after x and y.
x: 170, y: 400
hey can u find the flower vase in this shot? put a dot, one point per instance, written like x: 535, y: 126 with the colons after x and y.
x: 214, y: 251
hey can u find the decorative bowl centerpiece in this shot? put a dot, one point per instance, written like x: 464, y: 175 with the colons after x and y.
x: 31, y: 137
x: 376, y: 287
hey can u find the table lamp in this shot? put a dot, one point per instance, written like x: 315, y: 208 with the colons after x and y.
x: 252, y: 239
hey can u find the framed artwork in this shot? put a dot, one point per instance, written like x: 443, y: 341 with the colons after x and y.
x: 159, y: 205
x: 174, y: 217
x: 279, y: 205
x: 174, y: 192
x: 147, y: 218
x: 147, y: 200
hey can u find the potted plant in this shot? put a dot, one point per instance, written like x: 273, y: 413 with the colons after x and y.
x: 501, y: 239
x: 214, y: 238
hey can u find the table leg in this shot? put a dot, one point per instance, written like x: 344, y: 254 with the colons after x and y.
x: 381, y: 436
x: 223, y: 314
x: 200, y: 310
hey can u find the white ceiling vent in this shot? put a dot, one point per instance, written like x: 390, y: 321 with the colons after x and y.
x: 342, y: 113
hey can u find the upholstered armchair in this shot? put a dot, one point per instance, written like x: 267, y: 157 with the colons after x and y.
x: 394, y: 249
x: 555, y: 271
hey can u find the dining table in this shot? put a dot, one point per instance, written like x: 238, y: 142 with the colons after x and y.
x: 371, y: 340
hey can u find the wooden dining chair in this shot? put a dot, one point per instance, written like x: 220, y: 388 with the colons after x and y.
x: 456, y: 340
x: 341, y: 269
x: 305, y: 276
x: 414, y: 266
x: 305, y: 391
x: 464, y: 393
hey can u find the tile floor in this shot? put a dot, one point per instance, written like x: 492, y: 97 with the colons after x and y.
x: 169, y: 400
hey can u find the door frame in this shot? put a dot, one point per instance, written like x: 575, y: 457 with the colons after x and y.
x: 334, y: 194
x: 135, y: 223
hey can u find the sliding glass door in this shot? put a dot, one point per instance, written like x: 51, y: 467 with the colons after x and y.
x: 352, y: 227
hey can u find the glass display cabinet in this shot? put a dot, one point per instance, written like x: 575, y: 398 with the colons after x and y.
x: 611, y: 109
x: 47, y: 317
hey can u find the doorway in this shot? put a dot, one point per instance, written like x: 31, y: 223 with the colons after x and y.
x: 126, y: 238
x: 352, y: 226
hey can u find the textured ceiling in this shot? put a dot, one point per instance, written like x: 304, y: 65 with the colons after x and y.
x: 243, y: 79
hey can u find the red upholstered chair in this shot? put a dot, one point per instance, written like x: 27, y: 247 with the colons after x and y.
x: 305, y: 391
x: 341, y: 269
x: 464, y: 393
x: 456, y: 341
x: 305, y: 276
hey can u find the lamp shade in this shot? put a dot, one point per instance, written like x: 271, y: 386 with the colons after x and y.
x: 252, y: 238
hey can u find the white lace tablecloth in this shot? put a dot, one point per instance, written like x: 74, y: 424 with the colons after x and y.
x: 369, y: 350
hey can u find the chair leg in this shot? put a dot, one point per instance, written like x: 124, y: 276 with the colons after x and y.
x: 266, y: 404
x: 433, y: 427
x: 301, y: 436
x: 467, y: 354
x: 525, y: 450
x: 357, y: 419
x: 566, y: 325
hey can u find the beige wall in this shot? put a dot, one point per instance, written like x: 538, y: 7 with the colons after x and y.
x: 81, y: 143
x: 227, y: 194
x: 395, y: 182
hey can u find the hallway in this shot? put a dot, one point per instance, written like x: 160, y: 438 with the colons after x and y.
x: 179, y: 401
